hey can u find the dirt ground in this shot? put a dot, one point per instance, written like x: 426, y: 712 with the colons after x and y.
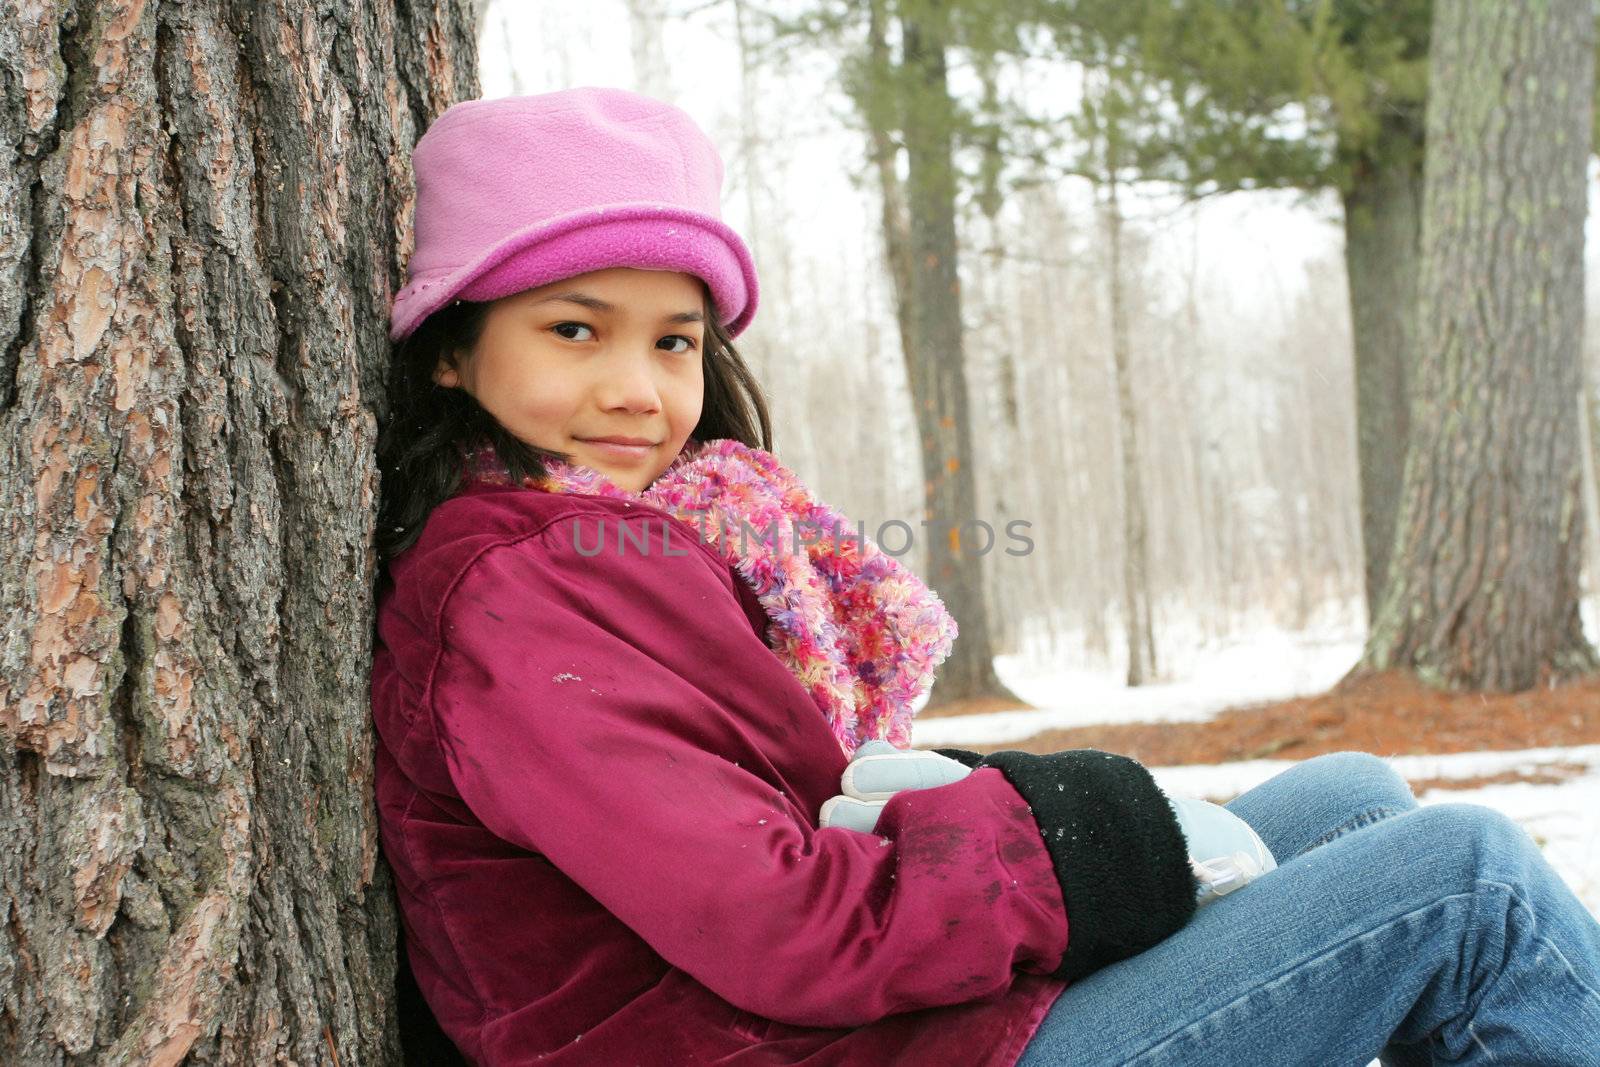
x: 1386, y: 714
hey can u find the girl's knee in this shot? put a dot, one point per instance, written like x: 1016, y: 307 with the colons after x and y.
x: 1323, y: 798
x: 1455, y: 825
x: 1472, y: 842
x: 1362, y: 774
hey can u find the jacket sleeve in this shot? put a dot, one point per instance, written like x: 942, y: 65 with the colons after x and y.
x: 588, y: 712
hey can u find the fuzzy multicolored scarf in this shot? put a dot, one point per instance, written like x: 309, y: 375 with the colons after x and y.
x: 860, y: 631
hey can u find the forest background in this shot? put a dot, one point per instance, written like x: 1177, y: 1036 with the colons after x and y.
x: 1273, y: 318
x: 1232, y: 287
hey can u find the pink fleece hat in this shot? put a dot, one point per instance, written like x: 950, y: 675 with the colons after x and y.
x: 521, y: 191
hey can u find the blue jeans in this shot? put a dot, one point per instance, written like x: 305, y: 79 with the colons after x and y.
x: 1421, y: 935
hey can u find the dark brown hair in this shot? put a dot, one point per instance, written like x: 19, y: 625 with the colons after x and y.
x: 431, y: 428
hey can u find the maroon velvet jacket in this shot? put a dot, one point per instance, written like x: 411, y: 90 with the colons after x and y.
x: 598, y: 789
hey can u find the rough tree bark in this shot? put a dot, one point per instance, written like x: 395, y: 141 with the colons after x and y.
x: 1382, y: 212
x: 206, y: 211
x: 1483, y: 589
x: 936, y: 363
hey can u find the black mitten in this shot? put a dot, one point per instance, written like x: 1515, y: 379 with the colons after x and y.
x: 1118, y: 849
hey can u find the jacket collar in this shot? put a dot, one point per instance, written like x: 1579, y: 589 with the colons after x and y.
x: 861, y: 632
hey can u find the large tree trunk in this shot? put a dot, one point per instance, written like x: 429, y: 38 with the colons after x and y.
x: 1483, y: 589
x: 1382, y: 218
x: 207, y: 211
x: 936, y: 366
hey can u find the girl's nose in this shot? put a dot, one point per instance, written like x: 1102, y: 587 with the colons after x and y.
x: 629, y: 383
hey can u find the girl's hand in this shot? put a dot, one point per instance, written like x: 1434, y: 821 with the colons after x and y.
x: 877, y: 772
x: 1225, y: 852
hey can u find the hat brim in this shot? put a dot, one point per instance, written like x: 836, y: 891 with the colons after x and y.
x: 648, y: 236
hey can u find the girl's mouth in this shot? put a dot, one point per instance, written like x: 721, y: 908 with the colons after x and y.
x: 620, y: 452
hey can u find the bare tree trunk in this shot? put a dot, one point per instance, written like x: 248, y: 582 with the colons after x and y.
x: 784, y: 377
x: 1135, y: 537
x: 1590, y: 402
x: 937, y: 370
x: 1590, y: 412
x: 1212, y: 583
x: 652, y: 73
x: 895, y: 214
x: 1483, y: 590
x: 1382, y: 212
x: 207, y: 213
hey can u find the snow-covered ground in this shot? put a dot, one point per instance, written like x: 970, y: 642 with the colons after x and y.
x: 1260, y: 663
x: 1272, y: 665
x: 1267, y: 665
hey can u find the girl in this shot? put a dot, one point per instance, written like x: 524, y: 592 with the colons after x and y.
x: 615, y: 774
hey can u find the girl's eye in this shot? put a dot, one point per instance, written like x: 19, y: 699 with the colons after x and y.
x: 688, y: 342
x: 562, y: 327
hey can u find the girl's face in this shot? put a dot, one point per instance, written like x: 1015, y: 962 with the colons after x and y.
x: 609, y: 354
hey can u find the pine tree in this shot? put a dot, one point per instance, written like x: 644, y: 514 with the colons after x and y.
x: 1312, y: 95
x: 894, y: 58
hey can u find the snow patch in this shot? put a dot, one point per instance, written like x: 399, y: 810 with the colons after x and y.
x: 1273, y: 666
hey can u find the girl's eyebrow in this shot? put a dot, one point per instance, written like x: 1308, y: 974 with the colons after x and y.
x: 594, y: 303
